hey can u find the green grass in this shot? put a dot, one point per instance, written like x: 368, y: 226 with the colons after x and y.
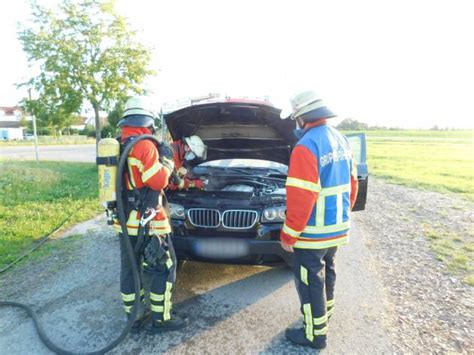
x: 424, y: 134
x: 441, y: 161
x: 37, y: 197
x: 455, y: 251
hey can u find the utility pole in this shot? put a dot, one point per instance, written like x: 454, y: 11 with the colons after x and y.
x: 34, y: 130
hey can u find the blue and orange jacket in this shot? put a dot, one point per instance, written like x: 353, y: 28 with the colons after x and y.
x: 145, y: 169
x: 321, y: 189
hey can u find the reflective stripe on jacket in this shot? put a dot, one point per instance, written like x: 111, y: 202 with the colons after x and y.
x: 145, y: 170
x: 321, y: 190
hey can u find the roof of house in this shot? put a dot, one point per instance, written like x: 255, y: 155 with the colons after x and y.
x: 9, y: 110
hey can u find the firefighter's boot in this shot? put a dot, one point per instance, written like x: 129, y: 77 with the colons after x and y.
x: 298, y: 336
x: 143, y: 317
x: 172, y: 324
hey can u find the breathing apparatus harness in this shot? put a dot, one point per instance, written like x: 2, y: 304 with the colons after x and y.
x: 145, y: 201
x: 111, y: 172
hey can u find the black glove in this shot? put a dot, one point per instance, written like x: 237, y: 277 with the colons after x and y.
x: 174, y: 178
x: 155, y: 252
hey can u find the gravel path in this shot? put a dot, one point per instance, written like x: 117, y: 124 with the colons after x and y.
x: 432, y: 310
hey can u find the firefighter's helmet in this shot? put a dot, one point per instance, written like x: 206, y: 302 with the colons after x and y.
x: 308, y: 106
x: 137, y: 114
x: 196, y: 147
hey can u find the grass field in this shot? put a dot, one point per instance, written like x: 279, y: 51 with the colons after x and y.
x: 37, y: 198
x: 440, y: 161
x: 435, y: 160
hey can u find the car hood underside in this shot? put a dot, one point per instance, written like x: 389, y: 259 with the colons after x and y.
x: 234, y: 130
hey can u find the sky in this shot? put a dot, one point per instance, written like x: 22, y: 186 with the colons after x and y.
x: 398, y: 63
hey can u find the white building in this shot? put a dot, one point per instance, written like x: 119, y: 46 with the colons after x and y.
x: 10, y: 122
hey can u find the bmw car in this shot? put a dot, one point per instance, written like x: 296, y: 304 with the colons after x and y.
x: 237, y: 218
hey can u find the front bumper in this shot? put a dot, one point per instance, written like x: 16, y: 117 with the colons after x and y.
x: 230, y: 250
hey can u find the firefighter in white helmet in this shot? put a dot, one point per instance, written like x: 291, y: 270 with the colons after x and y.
x: 185, y: 152
x: 321, y: 190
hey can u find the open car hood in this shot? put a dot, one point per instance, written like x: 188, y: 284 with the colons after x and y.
x: 241, y: 130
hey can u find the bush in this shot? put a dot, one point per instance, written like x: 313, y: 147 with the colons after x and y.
x: 352, y: 125
x: 108, y: 131
x: 88, y: 131
x: 44, y: 131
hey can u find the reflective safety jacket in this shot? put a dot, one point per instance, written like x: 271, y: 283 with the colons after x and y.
x: 145, y: 170
x: 321, y: 189
x: 184, y: 182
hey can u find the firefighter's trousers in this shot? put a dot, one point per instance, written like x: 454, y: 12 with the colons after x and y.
x: 315, y: 278
x: 162, y: 280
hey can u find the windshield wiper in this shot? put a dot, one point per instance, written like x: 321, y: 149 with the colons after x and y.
x: 239, y: 171
x: 260, y: 176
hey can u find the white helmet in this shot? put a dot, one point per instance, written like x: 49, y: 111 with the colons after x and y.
x: 137, y: 113
x: 197, y: 147
x: 308, y: 104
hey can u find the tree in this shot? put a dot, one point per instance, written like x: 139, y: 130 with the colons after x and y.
x: 349, y: 124
x: 86, y: 53
x: 115, y: 115
x: 50, y: 113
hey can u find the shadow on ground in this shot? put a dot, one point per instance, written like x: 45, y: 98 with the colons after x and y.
x: 208, y: 309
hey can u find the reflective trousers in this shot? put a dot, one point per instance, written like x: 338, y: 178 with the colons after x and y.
x: 315, y: 278
x: 162, y: 280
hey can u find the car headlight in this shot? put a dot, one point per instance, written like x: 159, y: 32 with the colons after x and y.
x: 177, y: 211
x: 274, y: 214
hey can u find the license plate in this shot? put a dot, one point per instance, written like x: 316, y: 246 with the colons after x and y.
x: 221, y: 248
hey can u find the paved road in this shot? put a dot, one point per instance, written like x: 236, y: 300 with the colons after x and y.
x: 78, y: 153
x: 234, y: 309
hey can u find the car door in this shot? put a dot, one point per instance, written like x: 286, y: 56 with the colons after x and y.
x: 359, y: 148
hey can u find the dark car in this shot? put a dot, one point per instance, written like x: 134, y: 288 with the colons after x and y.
x: 238, y: 217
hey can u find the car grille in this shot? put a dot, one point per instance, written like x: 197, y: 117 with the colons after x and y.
x: 203, y: 217
x: 239, y: 219
x: 230, y: 219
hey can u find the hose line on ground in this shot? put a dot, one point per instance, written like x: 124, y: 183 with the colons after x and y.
x: 131, y: 256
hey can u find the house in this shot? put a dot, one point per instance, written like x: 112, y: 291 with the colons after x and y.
x: 84, y: 121
x: 10, y: 117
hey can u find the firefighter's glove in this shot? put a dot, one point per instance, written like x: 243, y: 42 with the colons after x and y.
x: 174, y: 178
x: 199, y: 184
x: 155, y: 252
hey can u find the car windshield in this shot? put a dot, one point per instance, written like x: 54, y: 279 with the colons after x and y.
x: 245, y: 164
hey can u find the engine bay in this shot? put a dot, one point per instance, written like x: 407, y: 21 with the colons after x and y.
x: 255, y: 186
